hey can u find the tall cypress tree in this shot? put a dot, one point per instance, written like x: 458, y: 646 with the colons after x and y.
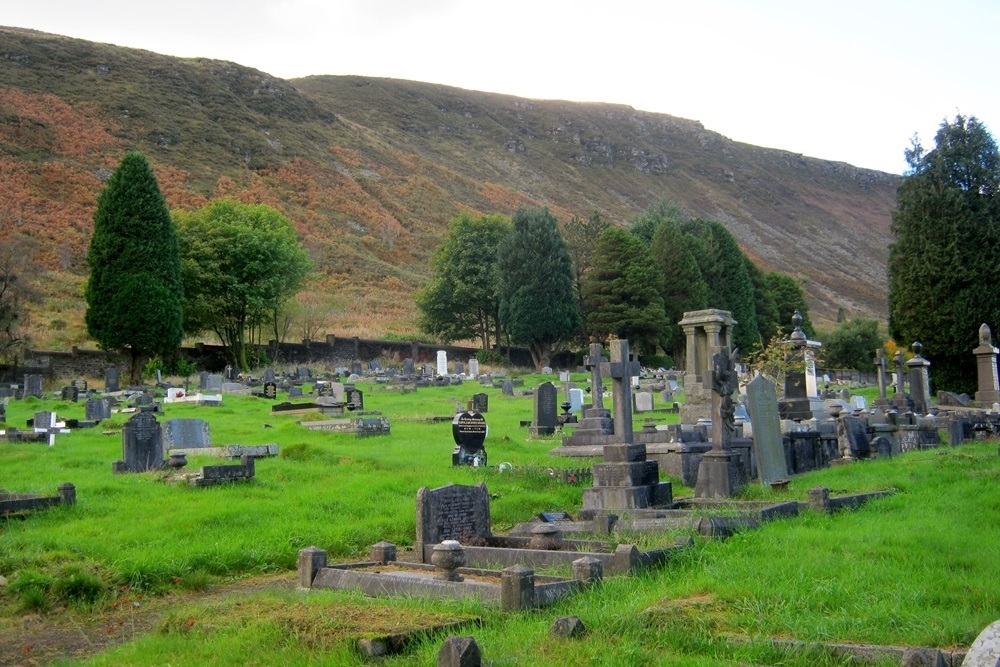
x: 943, y: 272
x: 682, y: 286
x: 538, y: 305
x: 622, y: 291
x: 134, y: 290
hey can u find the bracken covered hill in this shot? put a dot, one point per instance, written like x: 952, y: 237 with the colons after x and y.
x: 371, y: 170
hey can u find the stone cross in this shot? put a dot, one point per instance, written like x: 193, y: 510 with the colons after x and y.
x: 593, y: 362
x: 621, y: 371
x: 881, y: 365
x: 724, y: 381
x: 51, y: 429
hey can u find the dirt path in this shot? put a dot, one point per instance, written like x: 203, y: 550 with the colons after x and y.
x: 39, y: 639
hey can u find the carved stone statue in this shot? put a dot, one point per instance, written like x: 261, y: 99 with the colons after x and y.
x: 725, y: 381
x: 985, y: 335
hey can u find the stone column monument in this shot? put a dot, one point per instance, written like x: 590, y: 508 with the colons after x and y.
x: 920, y: 382
x: 988, y: 391
x: 707, y: 332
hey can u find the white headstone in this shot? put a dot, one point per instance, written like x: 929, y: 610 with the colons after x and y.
x: 635, y: 380
x: 546, y: 370
x: 474, y: 367
x: 575, y: 399
x: 812, y: 390
x: 442, y: 367
x: 859, y: 402
x: 564, y: 376
x: 174, y: 394
x: 643, y: 401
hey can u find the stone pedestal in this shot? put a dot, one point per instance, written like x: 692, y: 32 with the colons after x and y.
x: 988, y: 388
x: 626, y: 480
x: 719, y: 475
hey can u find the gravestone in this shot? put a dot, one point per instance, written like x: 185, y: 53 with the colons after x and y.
x: 355, y: 399
x: 142, y: 444
x: 269, y: 375
x: 452, y: 512
x: 508, y: 387
x: 564, y: 376
x: 295, y: 392
x: 442, y: 362
x: 70, y: 394
x: 856, y: 433
x: 213, y: 383
x: 858, y: 402
x: 469, y: 430
x: 546, y: 415
x: 372, y: 426
x: 322, y: 388
x: 235, y: 388
x: 546, y: 370
x: 111, y: 380
x: 643, y: 401
x: 337, y: 392
x: 575, y: 399
x: 33, y: 386
x: 80, y: 384
x: 480, y: 402
x: 98, y: 409
x: 474, y: 367
x: 762, y: 404
x: 186, y: 433
x: 408, y: 366
x: 203, y: 380
x: 271, y: 390
x: 459, y: 368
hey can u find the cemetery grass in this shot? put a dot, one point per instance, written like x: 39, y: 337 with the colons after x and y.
x: 913, y: 569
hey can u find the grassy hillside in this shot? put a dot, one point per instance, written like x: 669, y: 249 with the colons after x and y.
x: 370, y: 171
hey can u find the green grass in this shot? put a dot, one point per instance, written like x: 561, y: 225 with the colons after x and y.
x: 913, y: 569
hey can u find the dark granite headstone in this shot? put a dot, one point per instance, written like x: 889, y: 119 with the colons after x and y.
x: 70, y: 394
x: 186, y: 433
x: 508, y: 387
x: 295, y: 392
x: 33, y: 386
x: 271, y: 390
x: 370, y: 426
x: 452, y: 512
x: 268, y: 375
x: 857, y: 436
x: 481, y: 402
x: 355, y: 398
x: 111, y: 380
x: 469, y: 431
x: 98, y: 409
x: 408, y: 366
x: 546, y: 414
x: 142, y: 443
x: 80, y: 384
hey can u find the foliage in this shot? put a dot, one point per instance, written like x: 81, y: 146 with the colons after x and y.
x: 581, y: 242
x: 683, y: 287
x: 622, y: 294
x: 134, y: 294
x: 853, y: 344
x: 537, y: 304
x: 776, y: 359
x: 942, y: 268
x: 788, y: 297
x: 764, y: 306
x: 461, y: 301
x: 17, y: 288
x: 724, y: 268
x: 240, y: 263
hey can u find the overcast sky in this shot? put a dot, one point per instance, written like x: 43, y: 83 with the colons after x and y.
x: 848, y: 80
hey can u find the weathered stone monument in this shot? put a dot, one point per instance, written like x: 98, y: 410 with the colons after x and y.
x: 920, y: 382
x: 111, y: 380
x: 988, y: 388
x: 452, y: 512
x: 800, y: 378
x: 442, y: 362
x: 626, y: 479
x: 707, y: 331
x: 546, y: 410
x: 32, y: 386
x: 142, y: 444
x: 720, y: 473
x: 762, y: 404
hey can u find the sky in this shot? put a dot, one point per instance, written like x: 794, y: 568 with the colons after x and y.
x: 844, y: 80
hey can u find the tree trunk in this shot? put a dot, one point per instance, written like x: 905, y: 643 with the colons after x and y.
x: 541, y: 354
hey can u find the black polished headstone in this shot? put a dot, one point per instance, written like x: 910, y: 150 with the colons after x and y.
x: 469, y: 430
x: 142, y: 443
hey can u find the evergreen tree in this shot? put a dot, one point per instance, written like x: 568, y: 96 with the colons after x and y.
x: 461, y: 302
x: 943, y: 273
x: 853, y: 344
x: 681, y: 284
x: 788, y: 297
x: 134, y: 295
x: 765, y: 307
x: 581, y: 241
x: 622, y: 292
x: 538, y: 306
x: 724, y: 267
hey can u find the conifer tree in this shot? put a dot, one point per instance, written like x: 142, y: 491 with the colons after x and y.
x: 134, y: 293
x: 682, y: 286
x: 943, y: 272
x: 538, y: 306
x: 622, y: 292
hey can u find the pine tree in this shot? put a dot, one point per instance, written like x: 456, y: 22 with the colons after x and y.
x: 724, y: 267
x: 537, y: 303
x: 682, y: 286
x: 943, y: 273
x: 788, y: 297
x: 134, y: 291
x: 622, y: 292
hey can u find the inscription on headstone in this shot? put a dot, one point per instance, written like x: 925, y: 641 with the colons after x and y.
x: 762, y: 403
x: 545, y: 418
x: 452, y: 512
x: 111, y: 380
x: 481, y: 402
x: 142, y: 443
x: 469, y: 430
x: 189, y: 433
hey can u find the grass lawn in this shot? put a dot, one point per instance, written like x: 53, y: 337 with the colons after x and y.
x: 913, y: 569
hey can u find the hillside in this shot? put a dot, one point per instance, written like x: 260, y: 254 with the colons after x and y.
x: 370, y: 170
